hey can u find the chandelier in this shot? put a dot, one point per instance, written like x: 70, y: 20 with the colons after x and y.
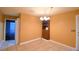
x: 44, y: 18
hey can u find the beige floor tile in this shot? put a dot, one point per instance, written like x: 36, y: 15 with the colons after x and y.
x: 39, y: 45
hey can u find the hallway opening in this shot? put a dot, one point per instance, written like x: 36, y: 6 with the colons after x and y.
x: 10, y: 28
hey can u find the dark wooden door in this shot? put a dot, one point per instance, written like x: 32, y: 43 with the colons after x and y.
x: 46, y: 33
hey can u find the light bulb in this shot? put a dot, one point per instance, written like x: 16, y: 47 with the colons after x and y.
x: 45, y: 18
x: 41, y: 19
x: 48, y: 18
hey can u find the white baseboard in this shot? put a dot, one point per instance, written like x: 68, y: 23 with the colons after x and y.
x: 73, y: 49
x: 29, y: 41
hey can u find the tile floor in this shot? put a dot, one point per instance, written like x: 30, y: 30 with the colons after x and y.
x: 11, y: 42
x: 39, y: 45
x: 5, y: 44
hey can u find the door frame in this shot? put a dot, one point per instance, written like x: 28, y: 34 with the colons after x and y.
x: 16, y: 21
x: 17, y: 31
x: 77, y: 43
x: 4, y: 28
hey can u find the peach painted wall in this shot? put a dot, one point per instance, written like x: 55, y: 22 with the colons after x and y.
x: 1, y: 16
x: 62, y: 28
x: 30, y: 27
x: 1, y: 26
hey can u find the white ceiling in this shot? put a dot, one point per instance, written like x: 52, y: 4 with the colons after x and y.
x: 38, y: 11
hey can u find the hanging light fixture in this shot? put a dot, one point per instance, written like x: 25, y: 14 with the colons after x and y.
x: 44, y: 18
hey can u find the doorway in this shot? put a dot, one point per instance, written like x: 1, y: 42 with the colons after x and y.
x: 10, y: 30
x: 46, y: 29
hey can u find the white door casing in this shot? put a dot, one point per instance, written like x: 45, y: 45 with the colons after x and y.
x: 17, y: 31
x: 77, y: 32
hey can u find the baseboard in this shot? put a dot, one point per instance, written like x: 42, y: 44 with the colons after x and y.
x: 73, y: 49
x: 29, y: 41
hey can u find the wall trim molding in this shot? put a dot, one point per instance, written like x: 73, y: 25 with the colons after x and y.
x: 73, y: 49
x: 29, y: 41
